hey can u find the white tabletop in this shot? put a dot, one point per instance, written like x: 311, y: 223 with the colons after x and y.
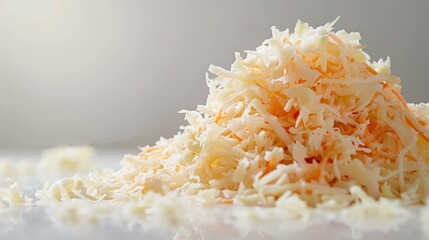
x: 217, y: 222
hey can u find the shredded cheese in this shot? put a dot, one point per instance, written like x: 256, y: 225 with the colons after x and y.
x: 368, y: 215
x: 306, y: 114
x: 12, y: 196
x: 67, y: 159
x: 13, y: 168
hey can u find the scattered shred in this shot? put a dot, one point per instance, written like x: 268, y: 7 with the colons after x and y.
x: 9, y: 168
x: 367, y: 214
x: 67, y: 159
x: 303, y: 121
x: 11, y: 196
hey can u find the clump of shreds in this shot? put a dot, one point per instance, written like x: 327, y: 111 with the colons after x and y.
x: 306, y: 115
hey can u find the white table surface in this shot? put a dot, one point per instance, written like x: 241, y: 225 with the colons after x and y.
x: 215, y: 223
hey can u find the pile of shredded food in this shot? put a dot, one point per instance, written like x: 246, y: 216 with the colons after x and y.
x: 306, y: 114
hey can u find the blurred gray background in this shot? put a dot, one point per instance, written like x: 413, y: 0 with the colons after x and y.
x: 112, y: 72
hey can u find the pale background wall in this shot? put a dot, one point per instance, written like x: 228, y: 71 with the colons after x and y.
x: 117, y: 72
